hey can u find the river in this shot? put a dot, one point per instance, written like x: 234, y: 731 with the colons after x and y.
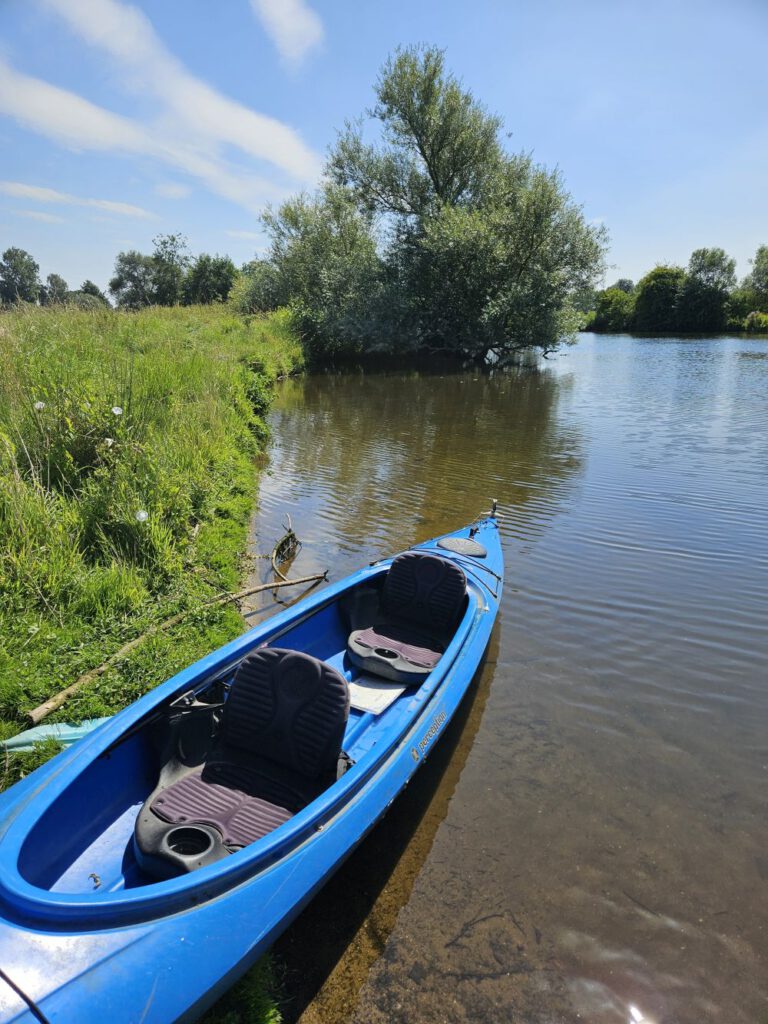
x: 592, y: 843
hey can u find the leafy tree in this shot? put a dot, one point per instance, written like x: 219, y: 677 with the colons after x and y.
x: 209, y: 279
x: 19, y: 281
x: 325, y: 267
x: 756, y: 323
x: 441, y: 145
x: 89, y: 288
x: 258, y: 288
x: 624, y: 284
x: 54, y: 291
x: 757, y: 280
x: 702, y: 300
x: 133, y: 283
x: 496, y: 278
x: 87, y: 300
x: 584, y: 299
x: 613, y: 310
x: 656, y: 299
x: 741, y: 302
x: 478, y: 252
x: 171, y: 260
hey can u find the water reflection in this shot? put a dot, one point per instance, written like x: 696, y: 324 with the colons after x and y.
x: 373, y: 462
x: 603, y: 852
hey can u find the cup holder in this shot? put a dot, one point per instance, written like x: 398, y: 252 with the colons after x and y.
x: 384, y: 652
x: 189, y: 841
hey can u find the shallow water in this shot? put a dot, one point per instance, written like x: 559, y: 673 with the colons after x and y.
x: 593, y: 843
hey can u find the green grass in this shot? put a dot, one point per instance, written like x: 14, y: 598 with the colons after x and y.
x: 127, y: 479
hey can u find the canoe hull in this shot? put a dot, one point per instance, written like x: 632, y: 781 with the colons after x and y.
x: 172, y: 967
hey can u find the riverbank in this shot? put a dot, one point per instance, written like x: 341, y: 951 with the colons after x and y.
x: 127, y: 477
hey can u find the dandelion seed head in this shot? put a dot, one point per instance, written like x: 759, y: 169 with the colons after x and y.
x: 142, y: 516
x: 117, y: 410
x: 39, y: 406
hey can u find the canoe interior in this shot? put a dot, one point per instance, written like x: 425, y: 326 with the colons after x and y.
x: 83, y: 843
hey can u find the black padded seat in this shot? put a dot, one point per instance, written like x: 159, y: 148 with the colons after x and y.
x: 278, y: 748
x: 421, y: 601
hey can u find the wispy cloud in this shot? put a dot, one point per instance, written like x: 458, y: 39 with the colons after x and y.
x: 68, y: 118
x: 46, y: 218
x: 19, y: 190
x: 194, y: 110
x: 173, y: 190
x: 294, y: 28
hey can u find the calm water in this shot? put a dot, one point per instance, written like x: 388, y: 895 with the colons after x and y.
x: 592, y: 844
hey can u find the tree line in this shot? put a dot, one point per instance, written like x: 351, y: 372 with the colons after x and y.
x: 705, y: 297
x: 20, y: 282
x: 168, y: 276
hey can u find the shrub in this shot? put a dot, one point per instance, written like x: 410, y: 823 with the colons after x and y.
x: 756, y: 323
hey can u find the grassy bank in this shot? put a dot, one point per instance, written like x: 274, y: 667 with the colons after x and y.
x: 127, y: 446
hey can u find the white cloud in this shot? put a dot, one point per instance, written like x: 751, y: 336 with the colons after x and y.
x: 195, y: 112
x: 19, y: 190
x: 67, y: 118
x: 173, y: 190
x: 46, y: 218
x: 294, y: 28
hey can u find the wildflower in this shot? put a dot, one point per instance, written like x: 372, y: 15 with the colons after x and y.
x: 117, y: 410
x: 39, y: 406
x: 142, y: 516
x: 109, y: 441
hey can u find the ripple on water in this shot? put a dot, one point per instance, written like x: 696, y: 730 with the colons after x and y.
x: 598, y: 853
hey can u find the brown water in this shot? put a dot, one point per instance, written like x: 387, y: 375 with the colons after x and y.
x: 592, y: 844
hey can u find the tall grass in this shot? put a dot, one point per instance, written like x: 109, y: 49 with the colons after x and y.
x: 127, y: 444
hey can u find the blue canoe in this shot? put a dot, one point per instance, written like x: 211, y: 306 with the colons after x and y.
x: 146, y: 868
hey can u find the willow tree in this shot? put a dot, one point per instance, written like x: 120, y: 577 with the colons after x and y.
x: 478, y: 251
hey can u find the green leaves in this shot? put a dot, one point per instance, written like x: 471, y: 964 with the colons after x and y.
x: 430, y: 236
x: 18, y: 277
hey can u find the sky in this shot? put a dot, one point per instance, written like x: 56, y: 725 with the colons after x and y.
x: 120, y: 121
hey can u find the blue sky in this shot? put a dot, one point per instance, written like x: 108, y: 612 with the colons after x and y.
x: 122, y: 121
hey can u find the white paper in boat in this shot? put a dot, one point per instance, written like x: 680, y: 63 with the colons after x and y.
x: 367, y: 693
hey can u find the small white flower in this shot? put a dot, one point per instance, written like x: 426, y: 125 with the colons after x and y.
x: 117, y: 410
x: 142, y: 516
x: 109, y: 441
x: 39, y: 406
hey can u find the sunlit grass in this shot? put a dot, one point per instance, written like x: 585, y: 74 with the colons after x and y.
x: 126, y: 480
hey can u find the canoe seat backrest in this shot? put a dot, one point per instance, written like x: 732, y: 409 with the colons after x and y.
x: 288, y: 707
x: 424, y: 590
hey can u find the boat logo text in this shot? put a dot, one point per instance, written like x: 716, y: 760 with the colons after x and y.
x: 431, y: 732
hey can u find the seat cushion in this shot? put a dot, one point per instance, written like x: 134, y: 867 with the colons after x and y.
x: 394, y: 652
x: 422, y: 599
x: 213, y: 796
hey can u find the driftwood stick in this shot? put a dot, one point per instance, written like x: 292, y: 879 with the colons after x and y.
x: 36, y: 715
x: 284, y: 549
